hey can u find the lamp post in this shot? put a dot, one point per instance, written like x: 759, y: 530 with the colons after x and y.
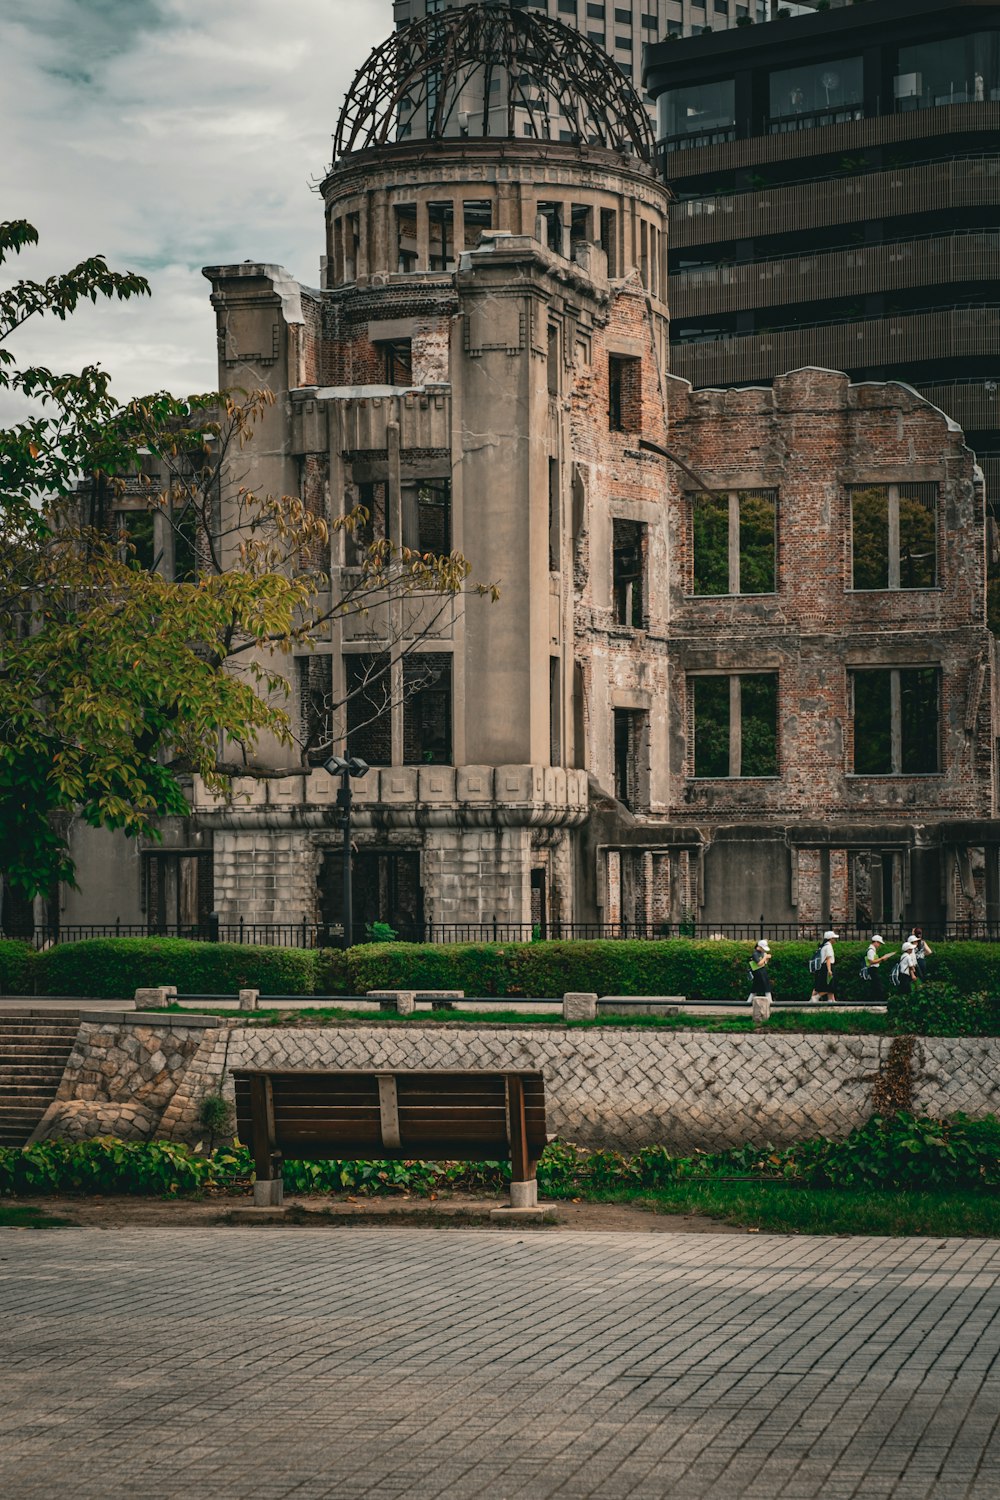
x: 345, y: 769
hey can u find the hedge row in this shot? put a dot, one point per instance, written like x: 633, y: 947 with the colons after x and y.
x: 113, y: 968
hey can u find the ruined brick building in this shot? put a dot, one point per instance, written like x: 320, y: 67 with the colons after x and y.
x: 740, y: 662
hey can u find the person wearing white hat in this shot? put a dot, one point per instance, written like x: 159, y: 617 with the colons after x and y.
x: 870, y: 971
x: 825, y: 983
x: 907, y: 967
x: 760, y: 981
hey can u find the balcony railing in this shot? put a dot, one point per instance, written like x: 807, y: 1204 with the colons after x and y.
x: 851, y: 199
x: 891, y: 342
x: 972, y: 255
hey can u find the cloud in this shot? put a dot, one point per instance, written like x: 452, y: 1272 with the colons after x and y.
x: 168, y: 135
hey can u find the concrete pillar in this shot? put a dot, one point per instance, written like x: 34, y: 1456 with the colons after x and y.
x: 524, y: 1194
x: 269, y: 1194
x: 579, y: 1007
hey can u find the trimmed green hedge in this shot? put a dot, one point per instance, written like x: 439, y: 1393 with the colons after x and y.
x: 16, y: 962
x: 114, y: 968
x: 714, y: 970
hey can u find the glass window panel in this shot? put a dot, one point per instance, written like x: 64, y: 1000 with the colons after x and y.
x: 757, y: 542
x: 759, y: 724
x: 711, y: 544
x: 870, y: 537
x: 917, y: 536
x: 918, y: 696
x: 697, y: 109
x: 955, y: 70
x: 711, y: 726
x: 816, y: 88
x: 872, y: 723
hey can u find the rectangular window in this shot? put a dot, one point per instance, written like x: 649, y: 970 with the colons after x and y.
x: 893, y: 536
x: 441, y: 234
x: 580, y: 232
x: 699, y: 114
x: 623, y: 17
x: 734, y: 542
x: 735, y: 724
x: 406, y: 236
x: 427, y: 515
x: 477, y: 215
x: 950, y: 70
x: 609, y: 236
x: 135, y: 537
x: 823, y: 93
x: 555, y: 712
x: 896, y: 721
x: 624, y: 393
x: 369, y: 707
x: 551, y: 227
x: 184, y: 520
x: 397, y: 361
x: 315, y: 684
x: 555, y: 515
x: 427, y: 709
x: 372, y: 497
x: 352, y: 245
x: 631, y: 749
x: 628, y: 556
x: 552, y: 366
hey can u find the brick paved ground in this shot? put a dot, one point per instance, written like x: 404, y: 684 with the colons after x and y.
x: 244, y: 1363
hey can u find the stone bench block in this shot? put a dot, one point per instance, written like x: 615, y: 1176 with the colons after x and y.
x: 579, y: 1006
x: 403, y: 1002
x: 156, y: 995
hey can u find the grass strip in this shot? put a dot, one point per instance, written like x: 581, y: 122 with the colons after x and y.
x: 782, y: 1208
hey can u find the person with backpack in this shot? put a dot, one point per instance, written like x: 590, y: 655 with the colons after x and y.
x: 870, y: 972
x: 760, y: 981
x: 902, y: 974
x: 921, y: 951
x: 822, y: 966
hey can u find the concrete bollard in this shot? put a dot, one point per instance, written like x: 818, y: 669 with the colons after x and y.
x: 153, y: 996
x: 579, y: 1007
x: 761, y: 1008
x: 403, y: 1002
x: 269, y: 1193
x: 248, y: 999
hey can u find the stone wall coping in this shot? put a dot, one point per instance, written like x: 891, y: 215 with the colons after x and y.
x: 170, y: 1022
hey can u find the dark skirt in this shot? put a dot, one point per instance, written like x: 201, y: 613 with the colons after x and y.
x: 760, y: 983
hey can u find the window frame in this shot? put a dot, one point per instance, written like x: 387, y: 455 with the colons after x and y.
x: 735, y: 680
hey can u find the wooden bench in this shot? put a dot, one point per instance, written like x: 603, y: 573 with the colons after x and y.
x: 442, y: 1115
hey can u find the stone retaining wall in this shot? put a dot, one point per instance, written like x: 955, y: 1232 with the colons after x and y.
x: 144, y: 1077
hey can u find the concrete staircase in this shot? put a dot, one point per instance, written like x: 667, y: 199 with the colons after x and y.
x: 34, y: 1048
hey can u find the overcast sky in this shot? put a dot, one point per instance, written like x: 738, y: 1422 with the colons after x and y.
x: 169, y: 135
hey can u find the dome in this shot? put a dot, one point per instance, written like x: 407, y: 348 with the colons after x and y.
x: 490, y: 71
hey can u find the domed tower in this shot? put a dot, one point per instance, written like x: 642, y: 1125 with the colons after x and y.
x: 485, y: 350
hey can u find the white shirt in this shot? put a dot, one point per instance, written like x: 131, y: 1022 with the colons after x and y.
x: 907, y: 963
x: 871, y: 957
x: 825, y: 953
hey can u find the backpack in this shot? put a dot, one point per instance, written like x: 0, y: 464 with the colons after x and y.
x: 816, y: 962
x: 896, y: 975
x: 864, y: 972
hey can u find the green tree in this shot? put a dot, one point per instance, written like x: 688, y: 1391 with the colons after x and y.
x: 147, y: 615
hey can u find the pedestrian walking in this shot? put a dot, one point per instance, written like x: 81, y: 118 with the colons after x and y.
x: 870, y: 971
x: 760, y: 981
x: 921, y: 950
x: 905, y: 970
x: 825, y: 980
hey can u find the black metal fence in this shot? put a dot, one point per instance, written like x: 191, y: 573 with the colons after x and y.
x: 327, y: 935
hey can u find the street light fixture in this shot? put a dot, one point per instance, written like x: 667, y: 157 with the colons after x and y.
x: 345, y: 769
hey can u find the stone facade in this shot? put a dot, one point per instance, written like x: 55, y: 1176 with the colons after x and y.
x: 609, y: 1088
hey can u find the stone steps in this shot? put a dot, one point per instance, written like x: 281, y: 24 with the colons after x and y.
x: 34, y: 1051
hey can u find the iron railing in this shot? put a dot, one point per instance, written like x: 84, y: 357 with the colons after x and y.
x: 308, y: 934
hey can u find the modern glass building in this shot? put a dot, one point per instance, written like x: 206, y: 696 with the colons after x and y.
x: 837, y: 202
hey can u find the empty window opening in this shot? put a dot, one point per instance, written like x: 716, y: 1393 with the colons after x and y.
x: 178, y: 889
x: 135, y: 536
x: 735, y: 542
x: 736, y: 724
x: 555, y: 529
x: 627, y: 573
x: 184, y: 521
x: 609, y: 238
x: 894, y: 536
x: 644, y: 252
x: 441, y: 236
x: 352, y: 245
x: 555, y: 712
x: 396, y: 356
x: 373, y: 525
x: 896, y: 721
x: 369, y: 707
x: 551, y: 226
x: 580, y: 226
x: 385, y: 887
x: 552, y: 367
x: 427, y: 738
x: 477, y: 215
x: 315, y: 687
x: 876, y: 877
x: 406, y: 237
x: 427, y: 515
x: 624, y: 393
x: 631, y: 752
